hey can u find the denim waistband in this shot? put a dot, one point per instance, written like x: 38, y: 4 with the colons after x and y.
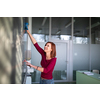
x: 45, y: 79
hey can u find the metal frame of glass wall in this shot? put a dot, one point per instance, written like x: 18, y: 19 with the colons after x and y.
x: 71, y: 47
x: 70, y: 43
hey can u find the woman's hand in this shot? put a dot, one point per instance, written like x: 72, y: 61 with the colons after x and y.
x: 28, y: 29
x: 37, y: 68
x: 27, y: 63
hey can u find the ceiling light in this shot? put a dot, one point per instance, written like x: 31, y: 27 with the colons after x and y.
x: 44, y: 20
x: 58, y: 32
x: 77, y: 32
x: 94, y: 25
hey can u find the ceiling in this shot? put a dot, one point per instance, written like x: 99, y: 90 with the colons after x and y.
x: 58, y: 24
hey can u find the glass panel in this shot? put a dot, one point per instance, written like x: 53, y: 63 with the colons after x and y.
x: 61, y: 28
x: 80, y: 45
x: 39, y: 37
x: 65, y: 37
x: 95, y: 56
x: 95, y: 43
x: 80, y: 40
x: 24, y: 37
x: 95, y: 30
x: 60, y: 70
x: 40, y: 28
x: 81, y: 30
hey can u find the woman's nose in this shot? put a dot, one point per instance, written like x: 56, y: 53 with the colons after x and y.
x: 45, y: 47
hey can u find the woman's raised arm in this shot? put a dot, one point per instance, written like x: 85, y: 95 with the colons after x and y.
x: 31, y: 37
x: 40, y: 50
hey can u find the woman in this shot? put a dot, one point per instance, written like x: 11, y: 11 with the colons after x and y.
x: 48, y: 60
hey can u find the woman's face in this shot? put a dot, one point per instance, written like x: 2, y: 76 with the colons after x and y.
x: 47, y: 47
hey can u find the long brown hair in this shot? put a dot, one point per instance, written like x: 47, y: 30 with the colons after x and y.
x: 53, y: 47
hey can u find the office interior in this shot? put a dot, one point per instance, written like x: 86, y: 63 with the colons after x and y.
x: 77, y: 42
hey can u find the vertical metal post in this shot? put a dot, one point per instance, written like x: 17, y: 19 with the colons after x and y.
x: 49, y: 28
x: 90, y: 44
x: 30, y: 29
x: 71, y: 48
x: 29, y: 42
x: 72, y: 29
x: 71, y: 52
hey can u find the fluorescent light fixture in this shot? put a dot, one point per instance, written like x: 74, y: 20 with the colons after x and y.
x: 40, y: 30
x: 94, y: 25
x: 44, y: 20
x: 69, y: 24
x: 77, y: 32
x: 58, y: 32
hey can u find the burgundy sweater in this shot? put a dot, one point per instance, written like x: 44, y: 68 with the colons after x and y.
x: 48, y: 65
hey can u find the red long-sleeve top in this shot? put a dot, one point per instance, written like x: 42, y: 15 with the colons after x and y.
x: 48, y: 65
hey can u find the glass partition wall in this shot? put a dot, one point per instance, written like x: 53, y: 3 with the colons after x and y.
x: 85, y: 44
x: 95, y: 43
x: 80, y: 44
x: 60, y: 35
x: 61, y: 28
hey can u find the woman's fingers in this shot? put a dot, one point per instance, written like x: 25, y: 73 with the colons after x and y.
x: 24, y: 61
x: 27, y: 63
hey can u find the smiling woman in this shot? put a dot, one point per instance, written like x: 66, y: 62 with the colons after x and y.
x: 48, y: 60
x: 50, y: 46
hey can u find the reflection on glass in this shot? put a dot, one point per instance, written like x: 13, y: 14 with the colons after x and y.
x: 81, y: 30
x: 61, y: 28
x: 65, y: 37
x: 57, y: 75
x: 39, y: 37
x: 45, y: 38
x: 80, y: 52
x: 24, y: 37
x: 60, y: 75
x: 55, y: 37
x: 95, y: 30
x: 40, y: 28
x: 80, y: 40
x: 95, y: 43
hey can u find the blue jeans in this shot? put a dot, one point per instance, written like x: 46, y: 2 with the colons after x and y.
x: 46, y: 81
